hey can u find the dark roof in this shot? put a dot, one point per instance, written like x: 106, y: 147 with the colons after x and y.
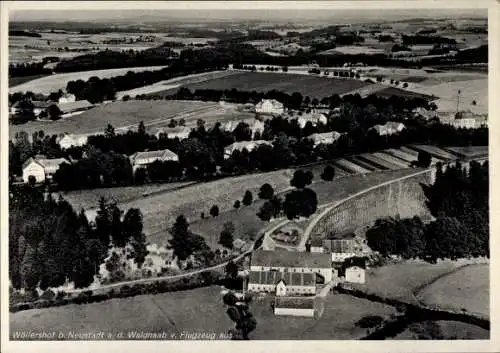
x: 316, y: 242
x: 290, y: 278
x: 355, y: 261
x: 294, y: 303
x: 339, y: 245
x: 290, y: 259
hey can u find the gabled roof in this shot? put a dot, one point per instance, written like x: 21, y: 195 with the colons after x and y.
x: 249, y: 145
x: 46, y: 162
x: 324, y: 136
x: 160, y: 154
x: 289, y: 278
x: 290, y: 259
x: 71, y: 106
x: 340, y: 246
x: 274, y: 102
x: 294, y: 303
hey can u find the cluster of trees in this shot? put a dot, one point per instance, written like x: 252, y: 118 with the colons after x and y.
x: 50, y: 244
x: 423, y: 39
x: 300, y: 202
x: 459, y: 201
x: 111, y: 59
x: 28, y: 69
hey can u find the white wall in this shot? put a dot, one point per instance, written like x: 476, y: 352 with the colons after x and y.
x: 294, y: 312
x: 34, y: 169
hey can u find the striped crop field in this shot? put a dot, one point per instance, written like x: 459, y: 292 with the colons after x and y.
x: 434, y: 151
x: 349, y: 166
x: 380, y: 163
x: 391, y: 159
x: 364, y: 164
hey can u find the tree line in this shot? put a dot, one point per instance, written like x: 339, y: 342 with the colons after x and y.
x: 459, y: 202
x: 50, y: 244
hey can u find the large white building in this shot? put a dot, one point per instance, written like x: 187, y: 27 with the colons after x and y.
x: 389, y: 128
x: 282, y: 283
x: 240, y: 146
x: 180, y: 132
x: 41, y: 168
x: 143, y: 159
x: 269, y: 106
x: 254, y: 125
x: 66, y: 141
x: 67, y: 98
x: 292, y: 262
x: 325, y: 138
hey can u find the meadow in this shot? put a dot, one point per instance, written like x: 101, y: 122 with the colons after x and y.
x: 400, y: 280
x: 53, y: 83
x: 198, y: 310
x: 464, y: 290
x: 307, y: 85
x: 118, y: 114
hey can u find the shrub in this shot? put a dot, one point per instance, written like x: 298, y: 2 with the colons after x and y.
x: 237, y: 204
x: 214, y: 211
x: 247, y: 198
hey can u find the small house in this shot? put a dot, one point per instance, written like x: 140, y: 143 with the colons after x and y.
x: 354, y: 270
x: 256, y: 126
x: 298, y: 306
x: 240, y: 146
x: 41, y: 168
x: 67, y: 98
x: 314, y: 118
x: 325, y: 138
x: 270, y: 106
x: 143, y: 159
x: 180, y: 132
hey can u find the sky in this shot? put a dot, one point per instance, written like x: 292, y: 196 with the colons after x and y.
x: 279, y: 15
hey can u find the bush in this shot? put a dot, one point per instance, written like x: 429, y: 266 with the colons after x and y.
x: 328, y: 173
x: 369, y: 321
x: 48, y: 295
x: 214, y: 211
x: 237, y: 204
x: 247, y: 198
x: 266, y: 192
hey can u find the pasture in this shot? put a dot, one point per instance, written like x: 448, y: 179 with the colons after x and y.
x: 119, y: 114
x: 53, y: 83
x: 307, y: 85
x: 400, y: 280
x: 464, y: 290
x: 197, y: 310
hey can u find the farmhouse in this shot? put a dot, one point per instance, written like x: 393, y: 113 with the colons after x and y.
x: 282, y: 283
x: 269, y: 106
x: 240, y: 146
x: 41, y: 168
x: 72, y: 108
x: 254, y: 124
x: 388, y: 128
x: 354, y: 270
x: 143, y: 159
x: 294, y: 262
x: 38, y: 107
x: 298, y: 306
x: 326, y: 138
x: 314, y: 118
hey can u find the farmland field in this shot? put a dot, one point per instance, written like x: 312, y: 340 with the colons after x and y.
x: 470, y: 151
x: 175, y: 83
x: 466, y: 289
x: 313, y: 86
x: 88, y: 199
x: 161, y: 210
x: 53, y: 83
x: 15, y: 81
x: 394, y: 91
x: 398, y: 281
x: 118, y: 114
x: 193, y: 310
x: 474, y: 89
x: 198, y: 310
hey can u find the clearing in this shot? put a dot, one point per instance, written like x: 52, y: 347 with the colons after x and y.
x: 53, y: 83
x: 307, y: 85
x: 464, y: 290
